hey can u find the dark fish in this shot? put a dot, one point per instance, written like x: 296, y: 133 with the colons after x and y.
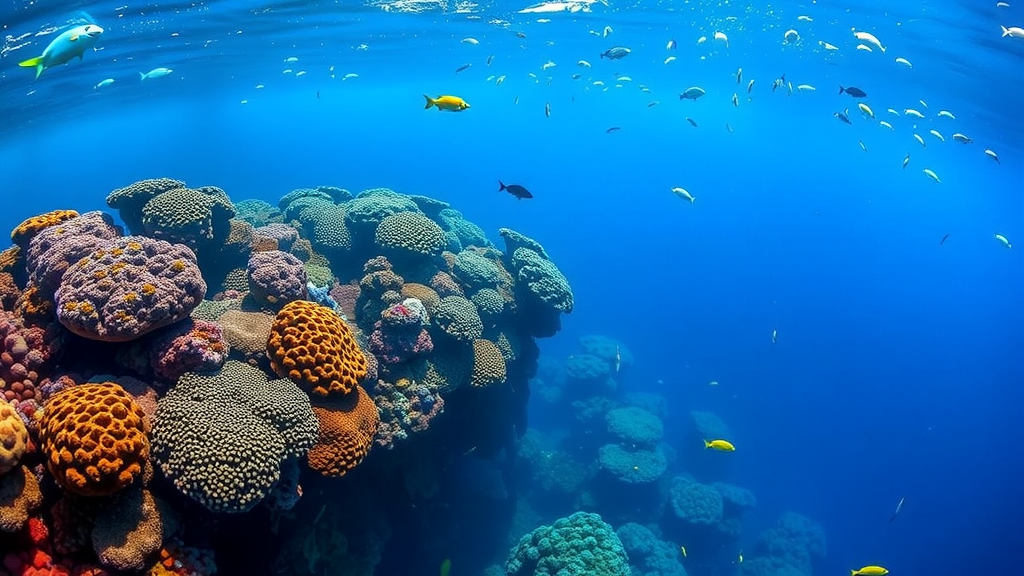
x: 842, y: 116
x: 576, y: 76
x: 613, y: 129
x: 515, y: 189
x: 461, y: 68
x: 490, y: 59
x: 652, y: 104
x: 853, y: 91
x: 899, y: 507
x: 616, y: 53
x: 521, y: 34
x: 547, y: 109
x: 691, y: 121
x: 941, y: 242
x: 317, y: 94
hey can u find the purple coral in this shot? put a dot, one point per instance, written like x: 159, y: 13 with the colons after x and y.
x: 189, y: 346
x: 276, y: 278
x: 129, y: 287
x: 399, y: 335
x: 284, y: 234
x: 25, y: 357
x: 54, y: 249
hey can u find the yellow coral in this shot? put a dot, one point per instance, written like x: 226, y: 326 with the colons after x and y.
x: 130, y: 297
x: 134, y: 246
x: 148, y: 289
x: 86, y: 308
x: 178, y: 266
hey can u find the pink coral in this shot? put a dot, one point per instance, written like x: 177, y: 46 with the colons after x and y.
x: 276, y: 278
x: 189, y: 346
x: 53, y: 250
x: 25, y: 357
x: 405, y: 407
x: 399, y: 335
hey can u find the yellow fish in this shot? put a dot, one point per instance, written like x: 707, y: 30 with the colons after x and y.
x: 446, y: 566
x: 452, y: 103
x: 869, y: 571
x: 726, y: 446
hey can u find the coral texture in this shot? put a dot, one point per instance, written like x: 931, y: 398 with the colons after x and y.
x: 347, y: 427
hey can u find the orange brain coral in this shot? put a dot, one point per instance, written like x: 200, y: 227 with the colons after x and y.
x: 94, y: 437
x: 347, y: 428
x: 314, y: 347
x: 29, y: 228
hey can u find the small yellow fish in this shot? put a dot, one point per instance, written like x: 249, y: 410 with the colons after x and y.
x: 869, y: 571
x: 452, y: 103
x: 683, y: 550
x: 866, y: 110
x: 720, y: 445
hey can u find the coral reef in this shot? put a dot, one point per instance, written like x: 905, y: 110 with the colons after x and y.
x: 276, y: 278
x: 347, y: 427
x: 579, y: 545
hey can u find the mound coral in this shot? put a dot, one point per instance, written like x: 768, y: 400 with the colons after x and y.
x: 466, y: 233
x: 128, y: 529
x: 53, y: 250
x: 129, y: 287
x: 488, y: 364
x: 276, y: 278
x: 188, y: 346
x: 94, y: 437
x: 632, y: 465
x: 128, y: 201
x: 405, y: 407
x: 457, y: 318
x: 634, y: 426
x: 19, y: 497
x: 330, y: 233
x: 366, y: 211
x: 283, y: 235
x: 694, y: 503
x: 399, y: 335
x: 475, y: 271
x: 579, y: 545
x: 542, y: 279
x: 649, y: 555
x: 515, y: 240
x: 408, y: 234
x: 347, y: 428
x: 26, y: 354
x: 188, y: 216
x: 221, y: 438
x: 24, y: 232
x: 424, y: 294
x: 314, y: 347
x: 13, y: 438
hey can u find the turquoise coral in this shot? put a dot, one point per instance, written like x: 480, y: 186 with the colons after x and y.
x: 581, y: 545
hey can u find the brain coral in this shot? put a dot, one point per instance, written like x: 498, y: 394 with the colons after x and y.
x: 693, y: 502
x: 633, y: 466
x: 313, y: 346
x: 128, y: 287
x: 543, y: 279
x: 634, y: 426
x: 276, y: 277
x: 24, y: 232
x: 221, y: 438
x: 347, y: 427
x: 410, y: 234
x: 457, y: 317
x: 94, y: 437
x: 488, y: 364
x: 188, y: 216
x: 580, y: 545
x: 13, y: 437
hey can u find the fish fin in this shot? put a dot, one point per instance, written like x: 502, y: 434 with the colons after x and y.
x: 73, y: 38
x: 36, y: 63
x: 841, y: 89
x: 142, y: 76
x: 707, y: 444
x: 502, y: 184
x: 430, y: 102
x: 692, y: 198
x: 1006, y: 31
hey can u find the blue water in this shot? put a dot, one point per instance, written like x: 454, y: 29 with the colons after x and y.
x: 898, y: 368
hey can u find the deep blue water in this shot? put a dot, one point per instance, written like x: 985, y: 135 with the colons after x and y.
x: 898, y: 369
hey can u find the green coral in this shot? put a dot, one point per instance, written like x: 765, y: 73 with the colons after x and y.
x: 581, y: 545
x: 634, y: 426
x: 695, y: 503
x: 188, y: 216
x: 542, y: 279
x: 458, y: 318
x: 410, y: 234
x: 475, y: 271
x: 632, y: 465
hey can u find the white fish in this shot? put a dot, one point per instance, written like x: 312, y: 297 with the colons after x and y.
x: 300, y: 73
x: 991, y: 154
x: 862, y: 146
x: 806, y: 88
x: 923, y: 103
x: 260, y: 86
x: 739, y: 76
x: 920, y: 140
x: 155, y: 73
x: 805, y: 19
x: 893, y: 111
x: 543, y: 20
x: 722, y: 37
x: 886, y: 124
x: 286, y: 71
x: 750, y: 86
x: 790, y: 36
x: 947, y: 114
x: 670, y: 45
x: 869, y: 38
x: 291, y: 59
x: 471, y: 40
x: 244, y: 102
x: 1013, y: 32
x: 1002, y: 5
x: 904, y: 62
x: 1002, y: 239
x: 937, y: 135
x: 583, y: 64
x: 103, y: 83
x: 775, y: 336
x: 598, y: 83
x: 607, y: 32
x: 789, y: 89
x: 499, y: 80
x: 827, y: 46
x: 547, y: 65
x: 735, y: 99
x: 644, y: 89
x: 864, y: 47
x: 702, y: 39
x: 899, y: 508
x: 912, y: 112
x: 682, y: 193
x: 670, y: 59
x: 962, y: 138
x: 349, y: 76
x: 931, y: 174
x: 624, y: 79
x: 866, y: 110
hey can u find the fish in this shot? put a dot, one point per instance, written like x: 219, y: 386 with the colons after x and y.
x: 869, y: 38
x: 103, y: 83
x: 155, y: 73
x: 463, y: 67
x: 750, y: 86
x: 1012, y: 32
x: 260, y: 86
x: 789, y: 89
x: 691, y: 121
x: 669, y: 60
x: 862, y: 145
x: 843, y: 116
x: 920, y: 140
x: 516, y: 101
x: 904, y: 61
x: 866, y: 110
x: 991, y: 154
x: 869, y: 571
x: 805, y: 18
x: 287, y: 71
x: 720, y: 445
x: 947, y: 114
x: 514, y: 189
x: 446, y: 567
x: 616, y: 53
x: 702, y: 40
x: 906, y: 160
x: 618, y: 359
x: 548, y: 64
x: 722, y: 37
x: 740, y: 559
x: 778, y: 82
x: 941, y: 242
x: 291, y: 59
x: 728, y: 127
x: 1002, y: 5
x: 490, y: 59
x: 576, y: 76
x: 735, y: 99
x: 893, y: 111
x: 624, y: 79
x: 450, y: 103
x: 349, y: 76
x: 682, y: 193
x: 936, y: 133
x: 547, y: 109
x: 806, y: 88
x: 712, y: 383
x: 583, y: 64
x: 886, y: 124
x: 775, y: 336
x: 69, y: 44
x: 683, y: 550
x: 471, y: 40
x: 963, y: 138
x: 671, y: 45
x: 899, y: 507
x: 613, y: 129
x: 1002, y: 240
x: 853, y: 91
x: 864, y: 47
x: 692, y: 93
x: 790, y: 36
x: 521, y: 35
x: 499, y: 80
x: 914, y: 113
x: 606, y: 32
x: 652, y: 103
x: 931, y: 174
x: 923, y: 103
x: 739, y: 76
x: 827, y: 46
x: 300, y: 73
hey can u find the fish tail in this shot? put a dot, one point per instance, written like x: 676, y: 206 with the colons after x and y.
x: 1006, y: 31
x: 692, y: 198
x: 142, y: 76
x: 36, y: 63
x: 502, y: 184
x: 841, y: 89
x: 707, y: 444
x: 430, y: 102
